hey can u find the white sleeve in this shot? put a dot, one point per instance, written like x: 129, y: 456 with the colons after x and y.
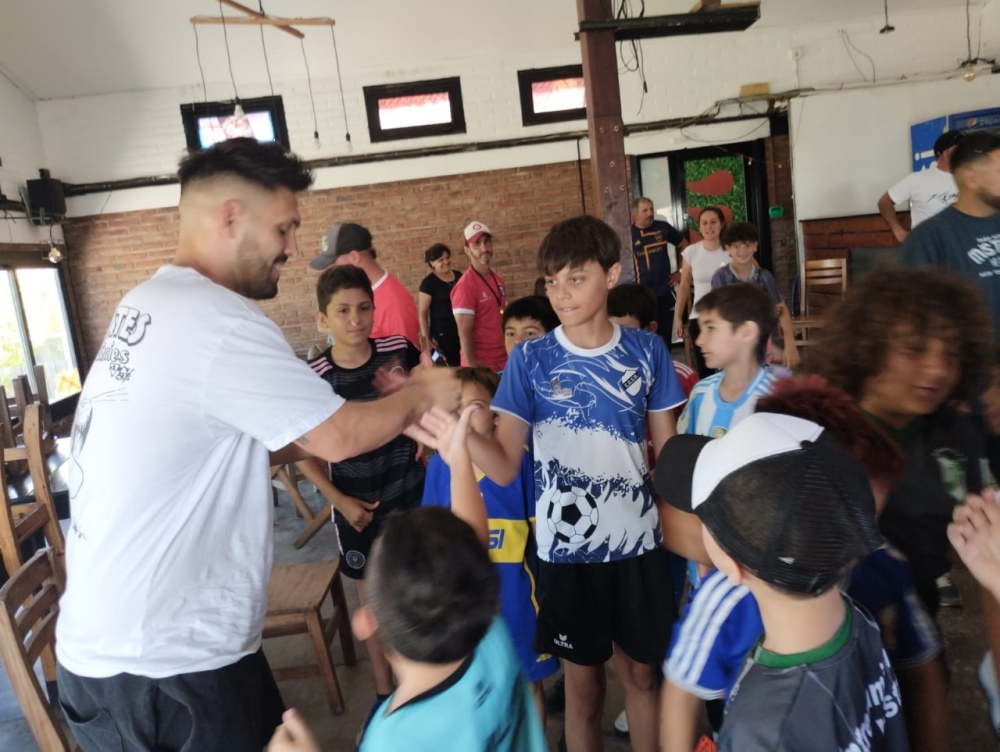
x: 257, y: 384
x: 902, y: 192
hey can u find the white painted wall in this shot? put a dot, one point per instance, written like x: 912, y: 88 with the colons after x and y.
x: 21, y: 154
x: 850, y: 147
x: 126, y: 135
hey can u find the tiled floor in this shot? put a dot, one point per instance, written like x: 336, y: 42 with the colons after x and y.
x: 970, y: 729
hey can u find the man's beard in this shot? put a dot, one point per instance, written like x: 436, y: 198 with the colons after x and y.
x: 990, y: 200
x: 254, y: 275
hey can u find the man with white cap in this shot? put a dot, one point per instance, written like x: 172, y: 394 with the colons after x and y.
x: 395, y: 311
x: 478, y: 300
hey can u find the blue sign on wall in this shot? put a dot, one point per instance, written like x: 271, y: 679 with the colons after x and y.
x: 922, y: 138
x: 977, y: 120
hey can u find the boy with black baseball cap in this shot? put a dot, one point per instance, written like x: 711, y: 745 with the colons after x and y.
x: 786, y: 511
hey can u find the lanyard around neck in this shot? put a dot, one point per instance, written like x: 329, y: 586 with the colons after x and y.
x: 498, y: 293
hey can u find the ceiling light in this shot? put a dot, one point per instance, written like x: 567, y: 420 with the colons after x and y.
x: 55, y: 255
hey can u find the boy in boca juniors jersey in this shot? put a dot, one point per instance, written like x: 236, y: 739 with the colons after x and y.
x: 511, y: 513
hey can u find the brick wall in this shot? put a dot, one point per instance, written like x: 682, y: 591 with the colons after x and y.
x: 832, y: 238
x: 110, y: 254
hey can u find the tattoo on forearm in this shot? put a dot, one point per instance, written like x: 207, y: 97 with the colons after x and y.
x: 302, y: 440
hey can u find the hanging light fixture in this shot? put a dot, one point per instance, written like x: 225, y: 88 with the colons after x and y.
x: 888, y: 28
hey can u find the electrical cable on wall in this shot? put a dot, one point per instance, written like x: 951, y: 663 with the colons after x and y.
x: 263, y: 45
x: 636, y: 64
x: 229, y: 58
x: 340, y: 85
x: 197, y: 54
x: 312, y: 100
x: 845, y: 38
x: 579, y: 170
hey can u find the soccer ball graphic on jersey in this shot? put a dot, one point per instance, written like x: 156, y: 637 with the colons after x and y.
x: 572, y: 515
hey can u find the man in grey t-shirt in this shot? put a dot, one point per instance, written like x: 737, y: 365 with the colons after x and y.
x: 965, y: 237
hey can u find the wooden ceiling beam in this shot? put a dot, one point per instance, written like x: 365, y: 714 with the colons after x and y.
x: 259, y: 19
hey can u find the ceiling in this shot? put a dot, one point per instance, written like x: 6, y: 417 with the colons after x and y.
x: 66, y: 48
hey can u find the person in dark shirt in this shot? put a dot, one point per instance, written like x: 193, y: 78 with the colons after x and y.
x: 437, y: 323
x: 965, y: 237
x: 651, y: 241
x: 363, y: 490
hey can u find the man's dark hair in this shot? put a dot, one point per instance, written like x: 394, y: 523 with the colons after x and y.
x: 947, y: 140
x: 740, y: 232
x: 338, y: 278
x: 890, y: 300
x: 483, y: 376
x: 267, y: 165
x: 431, y: 586
x: 574, y: 242
x: 630, y: 299
x: 973, y: 148
x: 639, y: 200
x: 739, y: 304
x: 532, y: 307
x: 435, y: 252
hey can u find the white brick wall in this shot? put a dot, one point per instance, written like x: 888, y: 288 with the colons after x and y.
x: 22, y: 155
x: 138, y: 134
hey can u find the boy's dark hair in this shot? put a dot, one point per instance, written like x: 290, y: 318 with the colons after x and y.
x: 974, y: 148
x: 532, y: 307
x: 631, y: 299
x: 485, y: 377
x: 267, y: 165
x: 338, y: 278
x: 740, y: 232
x: 740, y: 303
x: 859, y: 332
x: 435, y: 252
x: 573, y: 242
x: 431, y: 586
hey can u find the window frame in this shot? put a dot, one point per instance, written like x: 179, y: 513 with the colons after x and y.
x: 274, y: 105
x: 525, y: 78
x: 452, y: 86
x: 12, y: 260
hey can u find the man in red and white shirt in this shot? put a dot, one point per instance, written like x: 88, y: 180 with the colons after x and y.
x: 395, y: 311
x: 478, y: 300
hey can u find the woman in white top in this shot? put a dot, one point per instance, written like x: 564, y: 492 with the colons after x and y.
x: 699, y: 262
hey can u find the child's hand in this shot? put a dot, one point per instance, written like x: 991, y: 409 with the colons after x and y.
x: 292, y: 735
x: 358, y: 513
x: 975, y: 534
x: 444, y: 432
x: 679, y: 329
x: 790, y: 358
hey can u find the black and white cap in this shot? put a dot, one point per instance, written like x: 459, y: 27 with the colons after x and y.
x: 779, y: 495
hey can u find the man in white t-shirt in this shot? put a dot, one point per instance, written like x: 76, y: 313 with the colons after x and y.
x: 926, y: 192
x: 193, y: 394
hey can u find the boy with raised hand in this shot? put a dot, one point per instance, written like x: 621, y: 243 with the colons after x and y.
x: 584, y: 390
x: 433, y: 603
x: 364, y: 489
x: 735, y: 323
x: 511, y: 512
x: 786, y: 511
x: 740, y: 241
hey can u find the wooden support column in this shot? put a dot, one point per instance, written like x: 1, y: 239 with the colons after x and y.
x: 604, y: 123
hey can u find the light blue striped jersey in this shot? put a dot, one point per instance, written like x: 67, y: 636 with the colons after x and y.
x: 707, y: 414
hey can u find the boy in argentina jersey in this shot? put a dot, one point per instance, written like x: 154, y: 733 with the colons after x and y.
x: 583, y: 392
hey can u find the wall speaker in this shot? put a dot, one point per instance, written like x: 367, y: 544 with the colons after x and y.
x: 46, y: 200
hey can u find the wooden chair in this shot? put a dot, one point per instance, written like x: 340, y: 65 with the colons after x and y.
x: 824, y: 282
x: 294, y: 599
x: 28, y: 611
x: 19, y: 522
x: 285, y: 477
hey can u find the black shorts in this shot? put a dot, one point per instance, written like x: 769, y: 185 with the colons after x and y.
x: 586, y: 609
x: 354, y: 546
x: 236, y: 707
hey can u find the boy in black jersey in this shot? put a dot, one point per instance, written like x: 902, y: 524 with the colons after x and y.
x: 364, y: 489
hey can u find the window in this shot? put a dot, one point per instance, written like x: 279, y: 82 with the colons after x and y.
x: 207, y: 123
x: 552, y: 95
x: 413, y: 110
x: 35, y: 329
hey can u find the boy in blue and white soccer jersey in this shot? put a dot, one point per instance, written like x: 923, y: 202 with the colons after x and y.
x: 511, y: 513
x: 584, y: 392
x: 736, y: 322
